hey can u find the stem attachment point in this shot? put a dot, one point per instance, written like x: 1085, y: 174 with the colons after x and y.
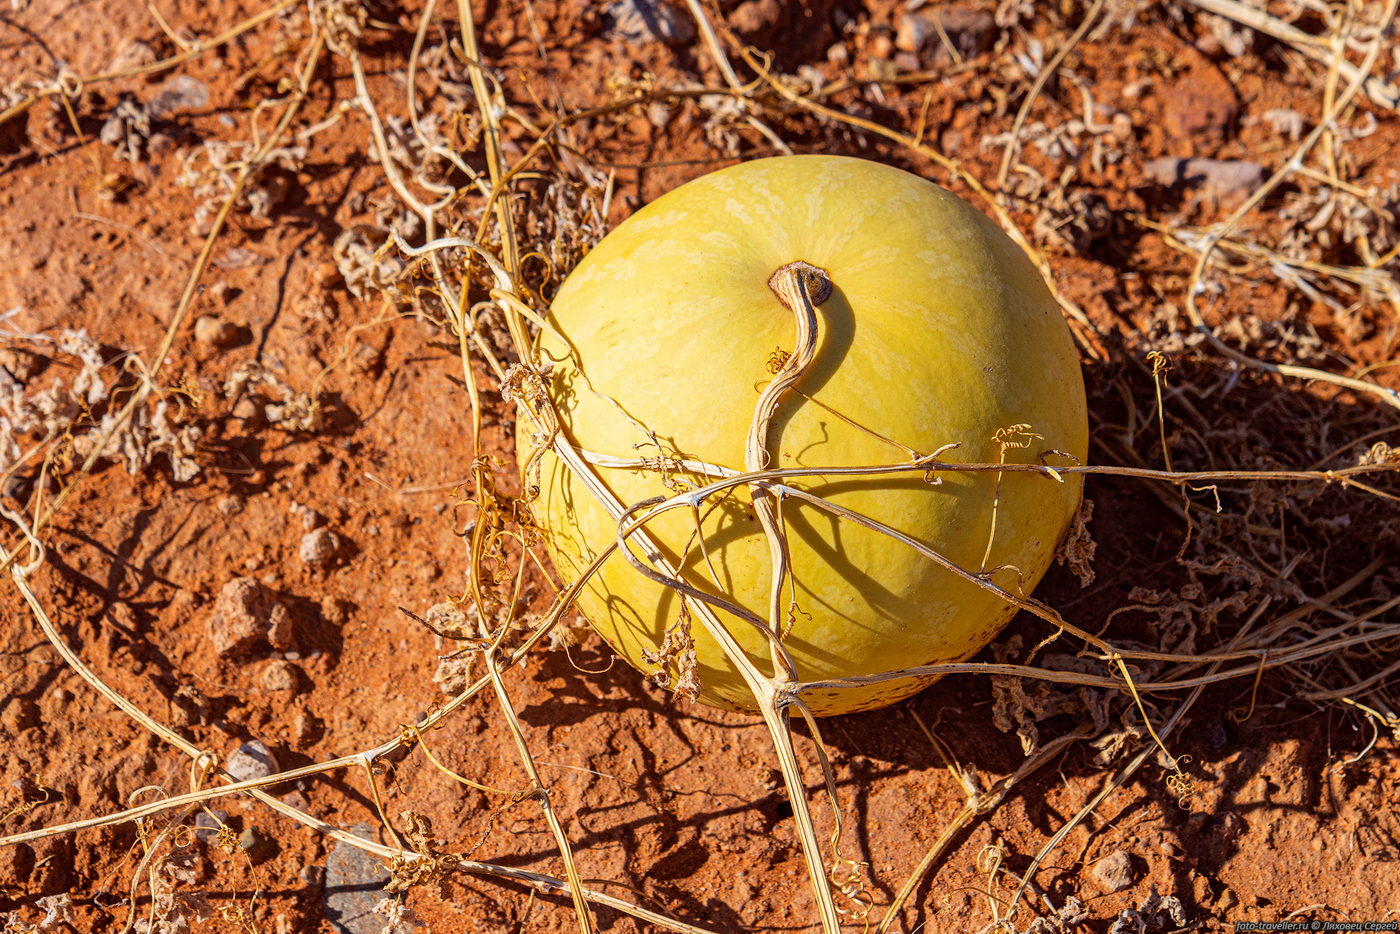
x: 815, y: 281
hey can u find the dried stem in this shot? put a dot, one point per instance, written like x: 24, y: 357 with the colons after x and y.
x: 68, y: 85
x: 799, y: 286
x: 186, y: 301
x: 772, y: 700
x: 1196, y: 286
x: 1013, y: 143
x: 1086, y: 332
x: 253, y: 787
x: 1381, y: 93
x: 769, y: 487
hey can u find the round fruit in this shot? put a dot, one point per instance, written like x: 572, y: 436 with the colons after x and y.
x: 937, y: 330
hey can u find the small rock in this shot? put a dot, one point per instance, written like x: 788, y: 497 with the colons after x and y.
x: 251, y: 760
x: 336, y: 612
x: 207, y: 824
x: 223, y: 293
x: 1217, y: 737
x: 124, y: 618
x: 281, y: 675
x: 755, y: 19
x: 1200, y: 108
x: 239, y: 258
x: 1134, y: 90
x: 307, y: 728
x: 882, y: 69
x: 366, y: 356
x: 320, y: 547
x: 353, y: 883
x: 230, y: 504
x: 310, y: 518
x: 297, y: 800
x: 133, y: 54
x: 1217, y: 178
x: 244, y: 615
x: 188, y: 705
x: 259, y: 846
x: 970, y: 32
x: 314, y: 876
x: 179, y: 94
x: 1114, y: 872
x: 316, y: 307
x: 647, y: 21
x: 1122, y: 127
x: 216, y: 332
x: 252, y: 412
x: 15, y: 487
x: 281, y: 634
x: 158, y: 145
x: 658, y: 114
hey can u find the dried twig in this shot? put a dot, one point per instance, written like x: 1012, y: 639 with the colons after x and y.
x: 1381, y: 92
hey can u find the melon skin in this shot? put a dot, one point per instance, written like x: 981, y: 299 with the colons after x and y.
x: 938, y: 330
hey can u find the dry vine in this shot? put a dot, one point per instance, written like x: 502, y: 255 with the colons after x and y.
x: 473, y: 263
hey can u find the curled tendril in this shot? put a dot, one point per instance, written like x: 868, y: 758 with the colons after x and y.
x: 1015, y: 437
x: 1181, y: 785
x: 226, y: 839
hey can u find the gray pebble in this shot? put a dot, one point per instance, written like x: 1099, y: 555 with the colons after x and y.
x: 647, y: 21
x: 1114, y: 872
x: 354, y: 882
x: 207, y: 824
x: 251, y: 760
x: 216, y: 332
x: 320, y: 547
x: 259, y: 846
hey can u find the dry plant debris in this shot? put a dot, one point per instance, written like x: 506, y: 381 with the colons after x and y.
x: 1228, y: 260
